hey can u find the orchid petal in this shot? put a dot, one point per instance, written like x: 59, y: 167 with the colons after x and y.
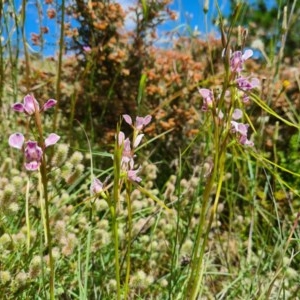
x: 139, y: 123
x: 234, y: 126
x: 255, y: 82
x: 147, y: 120
x: 32, y: 166
x: 127, y: 119
x: 51, y: 139
x: 245, y: 141
x: 220, y: 114
x: 18, y: 107
x: 30, y: 104
x: 121, y: 138
x: 237, y: 114
x: 96, y: 186
x: 132, y: 175
x: 50, y: 103
x: 205, y: 93
x: 87, y: 49
x: 33, y: 152
x: 16, y: 140
x: 248, y: 53
x: 138, y: 140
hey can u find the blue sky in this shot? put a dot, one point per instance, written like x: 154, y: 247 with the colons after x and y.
x: 190, y: 12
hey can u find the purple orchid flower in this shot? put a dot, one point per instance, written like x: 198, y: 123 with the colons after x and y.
x: 246, y: 84
x: 208, y: 99
x: 127, y: 159
x: 127, y: 154
x: 237, y: 114
x: 237, y: 60
x: 32, y: 151
x: 87, y: 49
x: 140, y: 122
x: 242, y: 130
x: 132, y: 175
x: 96, y: 186
x: 30, y: 105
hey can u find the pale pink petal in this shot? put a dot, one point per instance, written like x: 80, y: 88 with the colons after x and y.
x: 32, y: 166
x: 248, y: 53
x: 50, y: 103
x: 147, y: 120
x: 235, y: 126
x: 51, y: 139
x: 245, y: 141
x: 138, y: 140
x: 243, y: 129
x: 127, y: 119
x: 255, y: 82
x: 121, y: 138
x: 30, y: 104
x: 205, y: 93
x: 132, y: 175
x: 16, y: 140
x: 126, y: 148
x: 237, y: 114
x: 220, y: 114
x: 96, y: 186
x: 87, y: 49
x: 139, y: 123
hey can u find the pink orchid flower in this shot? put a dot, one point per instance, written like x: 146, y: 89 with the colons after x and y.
x: 237, y: 114
x: 237, y: 60
x: 140, y: 122
x: 96, y: 186
x: 208, y: 98
x: 132, y: 175
x: 32, y: 151
x: 30, y: 105
x: 242, y: 131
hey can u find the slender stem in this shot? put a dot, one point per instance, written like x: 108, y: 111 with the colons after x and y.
x: 128, y: 192
x: 42, y: 204
x: 198, y: 274
x: 88, y: 251
x: 114, y: 214
x: 27, y: 214
x: 116, y: 247
x: 195, y: 277
x: 191, y: 288
x: 43, y: 172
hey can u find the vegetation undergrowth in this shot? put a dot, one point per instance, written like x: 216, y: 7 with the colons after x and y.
x: 133, y: 171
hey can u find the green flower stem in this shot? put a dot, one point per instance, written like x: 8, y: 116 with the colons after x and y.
x: 42, y: 205
x: 88, y: 251
x: 199, y: 262
x: 128, y: 193
x: 27, y: 214
x: 191, y: 290
x: 116, y: 247
x: 195, y: 276
x: 43, y: 172
x: 113, y: 209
